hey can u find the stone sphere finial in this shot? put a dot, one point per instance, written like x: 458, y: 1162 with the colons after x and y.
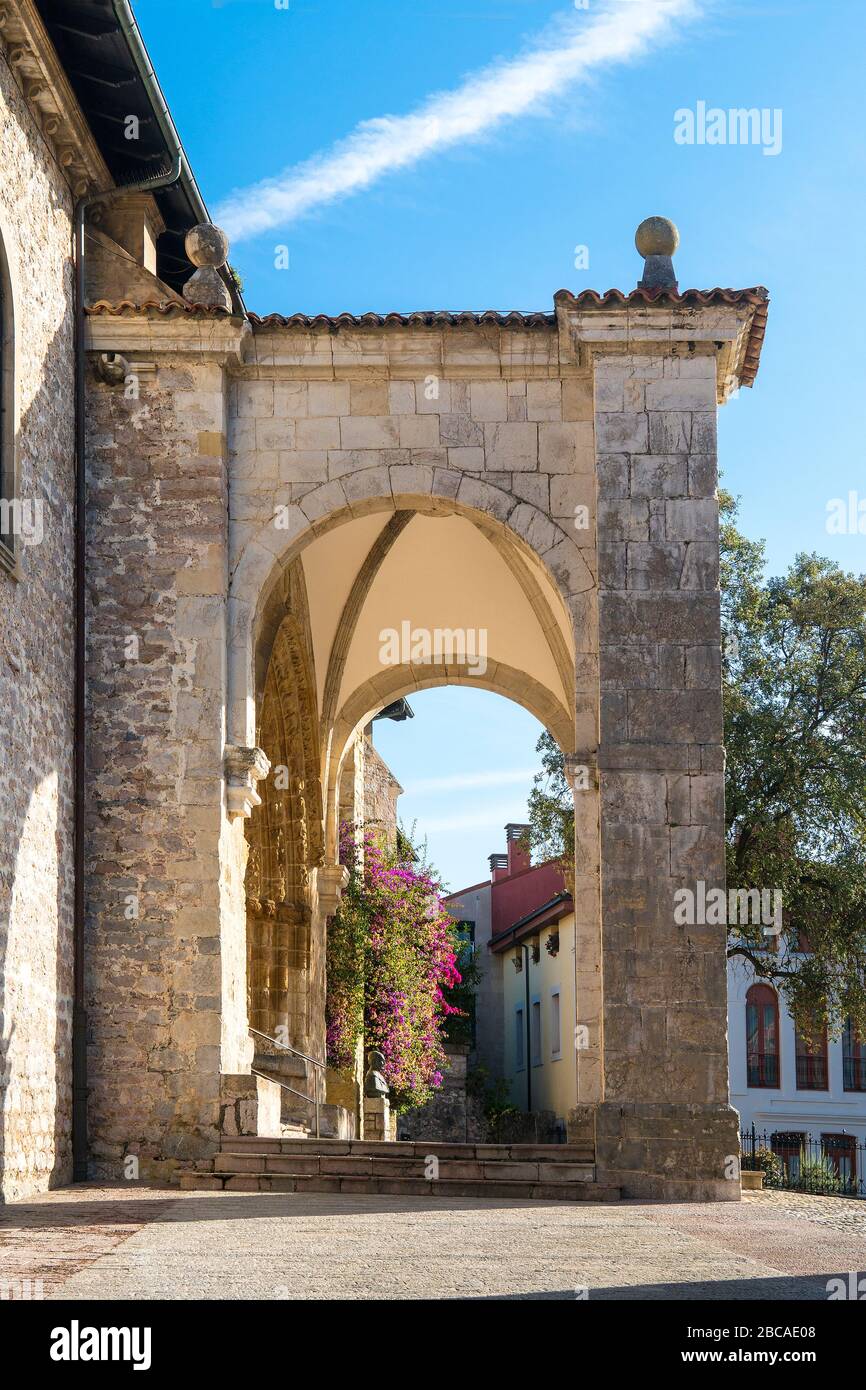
x: 207, y: 247
x: 657, y: 238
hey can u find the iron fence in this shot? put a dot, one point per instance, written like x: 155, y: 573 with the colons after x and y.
x: 832, y: 1166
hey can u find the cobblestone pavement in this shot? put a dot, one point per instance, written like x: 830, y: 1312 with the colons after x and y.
x: 121, y: 1243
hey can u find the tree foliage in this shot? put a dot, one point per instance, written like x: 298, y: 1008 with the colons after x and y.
x: 794, y: 679
x: 551, y: 809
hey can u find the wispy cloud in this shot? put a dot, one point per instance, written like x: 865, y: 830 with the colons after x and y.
x: 571, y: 51
x: 468, y: 780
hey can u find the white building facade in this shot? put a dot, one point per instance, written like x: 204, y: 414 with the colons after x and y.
x: 801, y: 1098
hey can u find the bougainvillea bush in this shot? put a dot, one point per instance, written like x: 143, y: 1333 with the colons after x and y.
x: 392, y: 958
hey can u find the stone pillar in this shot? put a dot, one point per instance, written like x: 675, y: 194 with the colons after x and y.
x: 665, y: 1113
x: 166, y: 934
x: 653, y: 999
x: 378, y: 1121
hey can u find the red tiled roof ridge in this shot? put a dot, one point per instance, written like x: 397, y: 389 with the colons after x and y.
x: 758, y: 297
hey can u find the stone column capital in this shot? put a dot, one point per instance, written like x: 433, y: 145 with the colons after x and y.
x: 331, y: 879
x: 244, y: 768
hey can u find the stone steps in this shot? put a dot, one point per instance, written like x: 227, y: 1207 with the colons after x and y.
x: 356, y: 1165
x: 550, y: 1153
x: 585, y: 1191
x: 551, y: 1172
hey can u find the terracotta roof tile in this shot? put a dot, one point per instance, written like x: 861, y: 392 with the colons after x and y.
x: 421, y: 318
x: 617, y: 298
x: 126, y: 307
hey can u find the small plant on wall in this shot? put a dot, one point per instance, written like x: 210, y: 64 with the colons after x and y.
x: 391, y: 962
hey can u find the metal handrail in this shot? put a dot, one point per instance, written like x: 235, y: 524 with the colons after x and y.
x: 297, y: 1052
x: 311, y: 1100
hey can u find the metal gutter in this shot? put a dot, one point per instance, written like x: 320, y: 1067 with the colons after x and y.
x: 140, y: 56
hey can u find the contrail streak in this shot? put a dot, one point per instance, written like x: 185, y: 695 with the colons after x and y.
x: 570, y: 52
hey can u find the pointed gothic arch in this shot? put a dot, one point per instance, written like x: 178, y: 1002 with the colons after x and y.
x: 285, y: 833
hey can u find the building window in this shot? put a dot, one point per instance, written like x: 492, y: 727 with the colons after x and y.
x: 811, y: 1062
x: 789, y: 1146
x: 762, y: 1037
x: 853, y: 1059
x: 555, y: 1024
x: 7, y: 417
x: 841, y: 1151
x: 519, y: 1040
x: 535, y: 1033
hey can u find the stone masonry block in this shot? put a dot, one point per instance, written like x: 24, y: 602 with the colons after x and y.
x: 511, y: 447
x: 369, y: 398
x: 670, y: 432
x: 489, y: 400
x: 369, y: 432
x: 623, y: 432
x: 693, y: 519
x: 577, y: 402
x: 401, y: 398
x: 329, y: 398
x: 659, y: 475
x: 544, y: 400
x: 624, y: 520
x: 318, y: 432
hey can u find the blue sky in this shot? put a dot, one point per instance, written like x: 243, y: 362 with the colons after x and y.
x: 492, y: 222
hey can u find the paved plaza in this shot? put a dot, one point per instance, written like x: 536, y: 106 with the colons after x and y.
x: 94, y: 1242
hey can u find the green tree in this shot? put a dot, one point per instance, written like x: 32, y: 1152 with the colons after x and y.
x: 551, y: 809
x: 794, y: 681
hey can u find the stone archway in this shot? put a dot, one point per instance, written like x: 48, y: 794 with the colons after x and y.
x: 285, y: 963
x: 318, y: 682
x: 584, y: 441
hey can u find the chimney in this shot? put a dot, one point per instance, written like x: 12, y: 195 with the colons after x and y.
x: 135, y: 223
x: 517, y: 839
x: 498, y: 867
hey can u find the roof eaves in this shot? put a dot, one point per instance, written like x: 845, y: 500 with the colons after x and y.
x: 552, y: 911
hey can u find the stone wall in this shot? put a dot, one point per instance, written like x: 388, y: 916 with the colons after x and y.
x: 451, y: 1116
x: 381, y: 790
x: 327, y: 426
x: 36, y: 672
